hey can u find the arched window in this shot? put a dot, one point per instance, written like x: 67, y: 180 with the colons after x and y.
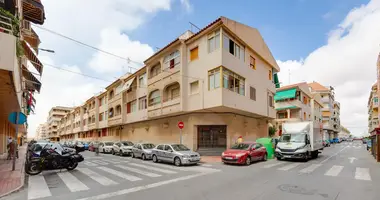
x: 118, y: 110
x: 111, y: 95
x: 154, y: 98
x: 110, y: 112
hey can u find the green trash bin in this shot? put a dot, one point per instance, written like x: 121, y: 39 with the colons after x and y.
x: 267, y: 143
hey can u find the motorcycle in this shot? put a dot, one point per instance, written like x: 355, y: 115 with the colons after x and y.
x: 53, y: 156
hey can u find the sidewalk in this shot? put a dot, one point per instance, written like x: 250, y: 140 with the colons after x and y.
x: 11, y: 181
x: 210, y: 159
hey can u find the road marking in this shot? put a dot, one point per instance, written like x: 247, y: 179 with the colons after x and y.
x: 97, y: 177
x: 362, y: 174
x: 272, y: 165
x: 120, y: 174
x: 114, y: 162
x: 154, y: 168
x: 164, y: 166
x: 352, y: 159
x: 100, y: 162
x: 333, y: 155
x: 90, y: 164
x: 289, y: 166
x: 139, y: 188
x: 310, y: 168
x: 145, y: 173
x: 72, y: 182
x: 334, y: 170
x: 205, y: 165
x: 37, y: 187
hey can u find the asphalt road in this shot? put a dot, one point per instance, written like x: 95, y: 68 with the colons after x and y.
x: 344, y: 171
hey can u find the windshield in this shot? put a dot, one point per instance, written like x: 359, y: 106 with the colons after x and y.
x: 148, y: 146
x: 242, y: 146
x: 298, y: 138
x: 180, y: 147
x: 127, y: 143
x: 108, y: 143
x: 56, y: 146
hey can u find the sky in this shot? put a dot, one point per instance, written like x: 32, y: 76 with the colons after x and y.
x: 334, y: 42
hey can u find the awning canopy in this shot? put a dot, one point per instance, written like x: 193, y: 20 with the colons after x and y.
x: 286, y: 107
x: 33, y: 11
x: 285, y: 94
x: 127, y: 85
x: 32, y: 57
x: 32, y: 83
x: 276, y: 81
x: 32, y: 39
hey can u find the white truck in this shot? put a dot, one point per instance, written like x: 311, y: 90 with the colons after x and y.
x: 299, y: 140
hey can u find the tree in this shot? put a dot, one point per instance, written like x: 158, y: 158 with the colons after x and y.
x: 272, y: 131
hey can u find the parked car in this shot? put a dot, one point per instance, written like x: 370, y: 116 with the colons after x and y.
x: 178, y: 154
x: 369, y: 145
x: 35, y: 149
x: 86, y: 145
x: 364, y: 141
x: 326, y: 143
x: 106, y: 147
x: 79, y: 146
x: 244, y: 153
x: 122, y: 148
x: 142, y: 150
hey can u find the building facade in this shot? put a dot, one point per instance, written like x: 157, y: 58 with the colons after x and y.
x: 53, y: 121
x: 220, y: 82
x: 373, y: 109
x: 294, y: 103
x: 41, y: 132
x: 18, y: 47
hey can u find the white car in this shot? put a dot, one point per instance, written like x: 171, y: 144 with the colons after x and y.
x: 106, y: 147
x: 122, y: 148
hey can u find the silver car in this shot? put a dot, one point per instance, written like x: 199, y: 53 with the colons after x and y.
x: 105, y: 147
x: 178, y: 154
x: 122, y: 148
x: 142, y: 150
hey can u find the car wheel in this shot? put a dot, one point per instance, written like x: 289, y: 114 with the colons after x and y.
x: 265, y: 157
x: 113, y: 152
x: 248, y: 161
x: 133, y: 155
x: 121, y: 153
x: 177, y: 161
x: 143, y: 157
x: 154, y: 158
x: 104, y: 151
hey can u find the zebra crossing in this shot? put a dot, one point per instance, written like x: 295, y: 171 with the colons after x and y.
x: 362, y: 174
x: 94, y: 173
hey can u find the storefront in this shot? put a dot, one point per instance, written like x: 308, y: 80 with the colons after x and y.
x: 212, y: 136
x: 375, y: 140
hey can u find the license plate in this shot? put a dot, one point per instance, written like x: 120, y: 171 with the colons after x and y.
x: 228, y: 158
x: 195, y: 159
x: 287, y: 156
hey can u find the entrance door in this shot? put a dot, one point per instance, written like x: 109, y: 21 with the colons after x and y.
x: 212, y: 136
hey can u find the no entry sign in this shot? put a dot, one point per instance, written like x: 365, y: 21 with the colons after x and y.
x: 181, y: 125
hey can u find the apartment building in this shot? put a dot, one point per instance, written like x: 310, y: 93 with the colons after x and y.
x: 18, y: 45
x: 344, y: 132
x: 295, y: 103
x: 330, y: 110
x: 54, y: 119
x: 220, y: 82
x: 373, y: 109
x: 41, y: 132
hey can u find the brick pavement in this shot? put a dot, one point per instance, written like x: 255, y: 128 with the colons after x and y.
x: 11, y: 181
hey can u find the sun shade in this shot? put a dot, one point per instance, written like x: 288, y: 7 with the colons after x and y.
x: 285, y: 94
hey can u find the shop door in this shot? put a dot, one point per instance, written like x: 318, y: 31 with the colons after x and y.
x: 213, y: 136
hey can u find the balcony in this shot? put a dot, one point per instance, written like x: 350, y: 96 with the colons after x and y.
x: 164, y: 74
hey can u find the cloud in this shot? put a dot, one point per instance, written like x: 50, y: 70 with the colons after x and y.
x: 103, y: 24
x: 347, y: 62
x: 327, y: 15
x: 187, y: 5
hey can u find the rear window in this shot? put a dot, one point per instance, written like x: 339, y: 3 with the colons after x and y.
x: 148, y: 146
x: 127, y: 143
x: 108, y: 143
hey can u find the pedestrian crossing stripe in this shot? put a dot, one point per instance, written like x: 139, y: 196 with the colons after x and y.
x: 120, y: 174
x: 97, y: 177
x: 334, y: 170
x: 72, y: 182
x: 289, y: 166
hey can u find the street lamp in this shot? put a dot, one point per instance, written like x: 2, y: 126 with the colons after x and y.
x: 47, y: 50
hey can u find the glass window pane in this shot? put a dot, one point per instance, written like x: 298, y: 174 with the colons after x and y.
x: 237, y: 51
x: 217, y: 41
x: 217, y: 79
x: 242, y: 87
x: 225, y: 79
x: 211, y: 77
x: 242, y: 54
x: 211, y: 44
x: 226, y: 43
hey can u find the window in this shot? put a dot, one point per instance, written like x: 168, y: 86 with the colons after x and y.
x: 252, y: 62
x: 155, y: 70
x: 93, y: 119
x: 154, y: 98
x: 142, y: 80
x: 174, y: 93
x: 168, y: 148
x: 315, y: 117
x: 194, y: 54
x: 282, y: 115
x: 118, y: 110
x: 172, y: 60
x: 233, y: 82
x: 111, y: 94
x: 110, y: 112
x: 270, y: 99
x: 160, y: 147
x: 101, y: 117
x: 214, y: 79
x: 101, y: 101
x: 134, y: 106
x: 234, y: 48
x: 142, y: 103
x: 252, y: 93
x: 194, y: 87
x: 270, y: 75
x: 213, y: 42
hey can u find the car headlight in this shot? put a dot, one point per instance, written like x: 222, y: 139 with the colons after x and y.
x: 223, y: 154
x: 240, y: 155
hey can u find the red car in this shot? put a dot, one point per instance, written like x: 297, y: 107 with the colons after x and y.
x: 244, y: 153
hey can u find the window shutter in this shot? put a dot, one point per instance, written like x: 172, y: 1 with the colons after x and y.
x: 193, y: 53
x: 171, y: 63
x: 252, y: 93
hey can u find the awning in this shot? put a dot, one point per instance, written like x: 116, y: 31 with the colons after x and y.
x: 31, y: 83
x: 32, y: 39
x: 32, y: 57
x: 285, y: 94
x: 33, y: 11
x: 127, y: 85
x: 276, y: 82
x: 286, y: 107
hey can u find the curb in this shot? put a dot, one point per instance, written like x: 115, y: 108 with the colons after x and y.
x: 23, y: 177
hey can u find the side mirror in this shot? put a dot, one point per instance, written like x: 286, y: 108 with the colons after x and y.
x: 252, y: 148
x: 170, y: 150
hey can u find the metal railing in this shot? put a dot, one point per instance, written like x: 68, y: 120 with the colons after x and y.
x: 5, y: 24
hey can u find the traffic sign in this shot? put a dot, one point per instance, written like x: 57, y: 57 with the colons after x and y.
x: 181, y: 125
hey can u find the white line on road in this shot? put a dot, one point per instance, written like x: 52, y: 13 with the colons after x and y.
x: 100, y: 162
x: 37, y: 187
x: 145, y: 173
x: 139, y: 188
x: 205, y: 165
x: 334, y: 170
x: 97, y: 177
x: 333, y: 155
x: 289, y: 166
x: 154, y: 168
x: 362, y: 174
x: 120, y: 174
x: 72, y: 182
x: 272, y: 165
x: 90, y: 164
x: 310, y: 168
